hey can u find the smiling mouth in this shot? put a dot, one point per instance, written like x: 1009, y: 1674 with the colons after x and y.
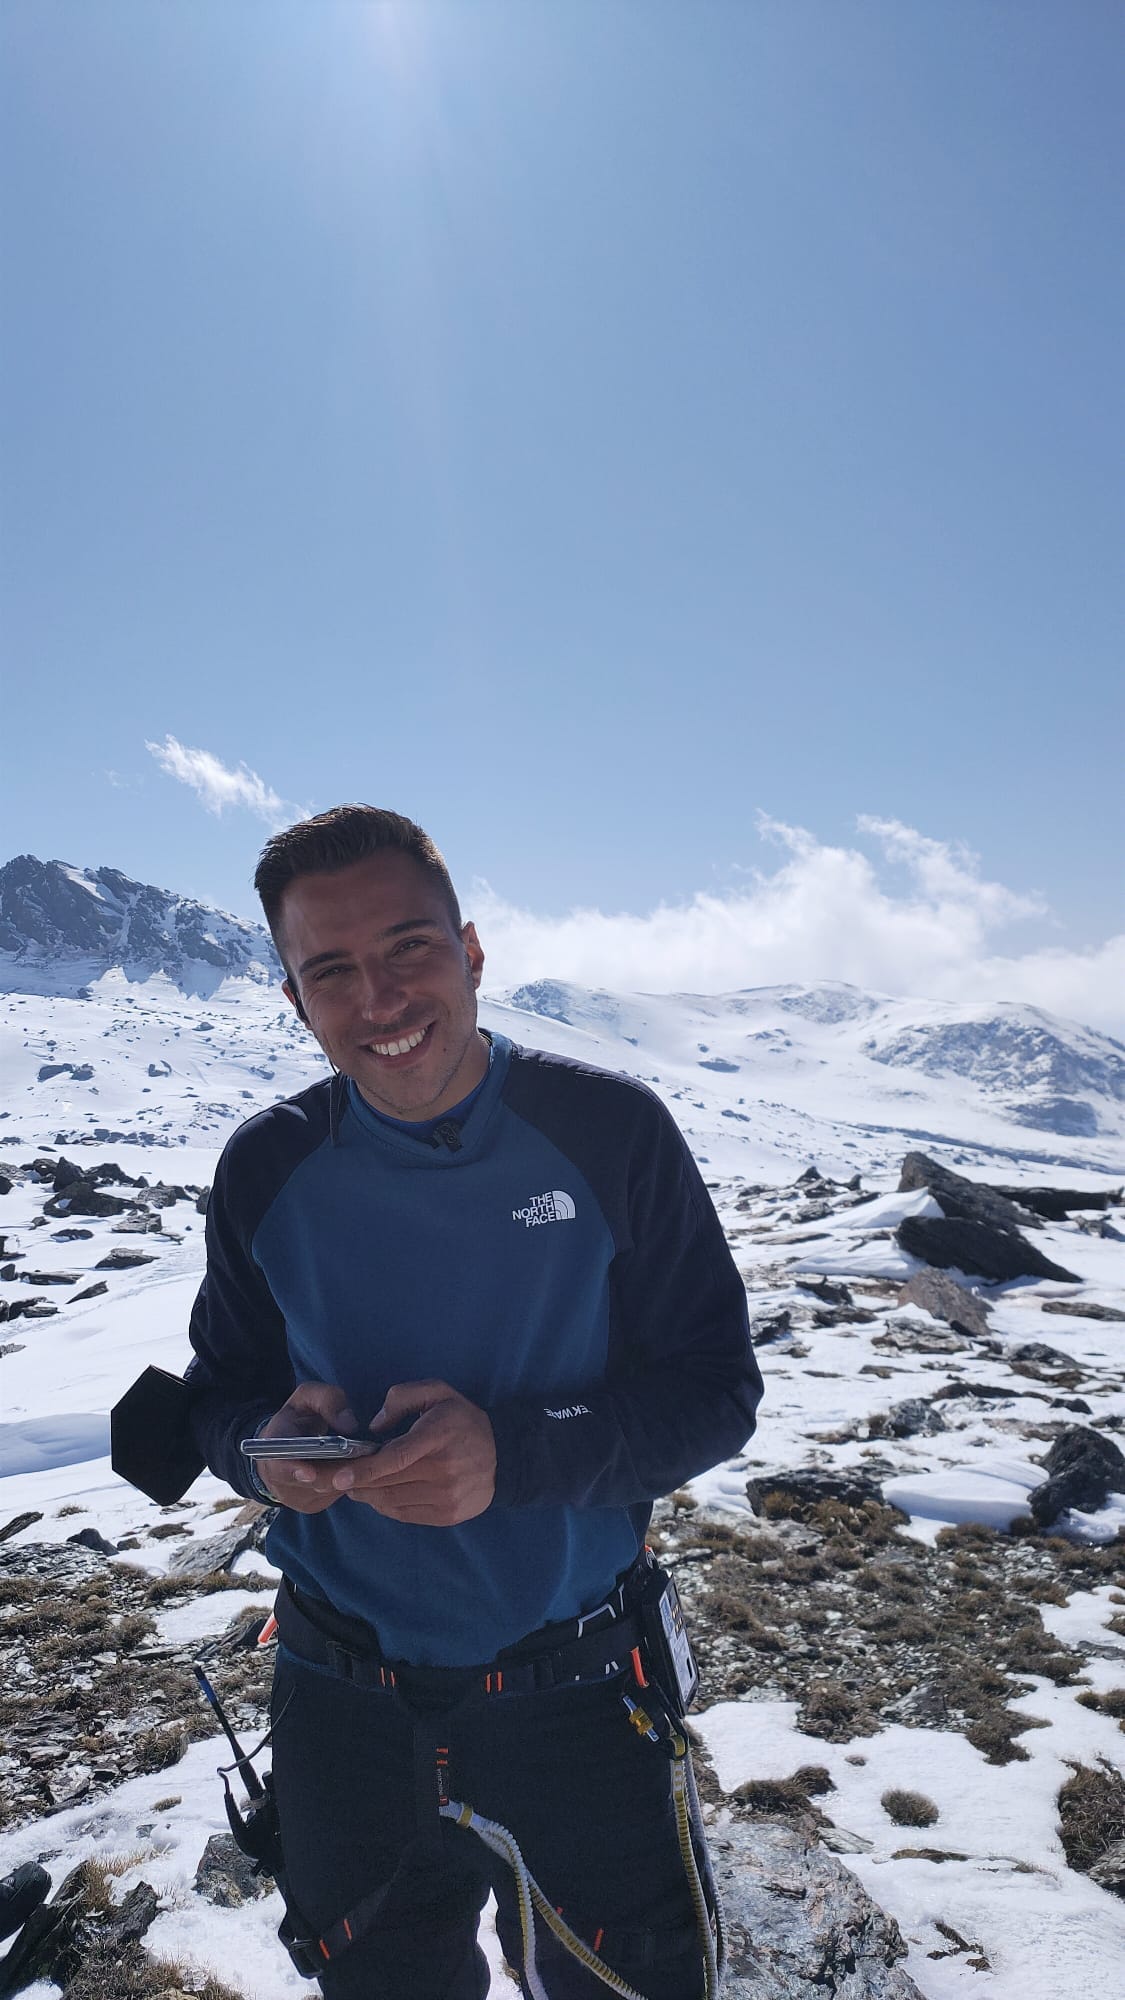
x: 403, y: 1046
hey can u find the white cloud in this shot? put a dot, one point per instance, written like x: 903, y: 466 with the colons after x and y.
x: 219, y: 787
x: 823, y: 913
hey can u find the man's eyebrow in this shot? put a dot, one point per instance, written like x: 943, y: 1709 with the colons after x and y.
x: 393, y: 930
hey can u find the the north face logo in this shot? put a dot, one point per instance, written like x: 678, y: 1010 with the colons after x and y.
x: 552, y: 1207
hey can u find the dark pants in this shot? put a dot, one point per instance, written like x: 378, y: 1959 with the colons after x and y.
x: 587, y: 1799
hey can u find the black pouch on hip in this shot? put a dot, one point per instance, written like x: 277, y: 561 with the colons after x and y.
x: 668, y: 1651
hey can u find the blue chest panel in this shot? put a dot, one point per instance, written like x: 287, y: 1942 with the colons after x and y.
x: 392, y: 1261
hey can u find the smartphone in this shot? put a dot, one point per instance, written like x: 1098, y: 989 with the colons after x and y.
x: 316, y: 1447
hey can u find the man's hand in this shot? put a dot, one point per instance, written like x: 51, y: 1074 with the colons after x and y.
x: 442, y: 1472
x: 313, y: 1409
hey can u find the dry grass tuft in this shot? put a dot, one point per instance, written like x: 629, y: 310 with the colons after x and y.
x: 1091, y: 1813
x: 909, y: 1808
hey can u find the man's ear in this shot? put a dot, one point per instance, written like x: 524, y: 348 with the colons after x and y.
x: 294, y: 1001
x: 473, y: 952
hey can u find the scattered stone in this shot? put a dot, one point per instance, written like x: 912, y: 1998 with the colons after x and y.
x: 89, y: 1538
x: 1044, y: 1364
x: 1082, y: 1309
x: 1084, y: 1468
x: 812, y: 1486
x: 827, y: 1294
x: 943, y: 1298
x: 50, y: 1277
x: 71, y: 1235
x: 124, y: 1260
x: 778, y: 1326
x: 82, y: 1199
x: 226, y: 1876
x: 913, y: 1336
x: 913, y: 1418
x: 960, y: 1244
x: 91, y: 1292
x: 1055, y: 1204
x: 201, y: 1200
x: 220, y: 1552
x: 17, y: 1524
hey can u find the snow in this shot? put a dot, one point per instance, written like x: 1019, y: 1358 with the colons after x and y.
x: 800, y: 1091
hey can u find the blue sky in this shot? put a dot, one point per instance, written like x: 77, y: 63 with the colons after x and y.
x: 585, y: 425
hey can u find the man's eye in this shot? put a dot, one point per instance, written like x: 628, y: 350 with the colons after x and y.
x: 328, y: 972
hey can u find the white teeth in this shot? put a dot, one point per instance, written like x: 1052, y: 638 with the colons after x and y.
x: 399, y: 1048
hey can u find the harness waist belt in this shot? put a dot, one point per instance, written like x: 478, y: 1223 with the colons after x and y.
x: 587, y: 1656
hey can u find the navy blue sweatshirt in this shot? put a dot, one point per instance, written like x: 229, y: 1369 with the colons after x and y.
x: 562, y: 1267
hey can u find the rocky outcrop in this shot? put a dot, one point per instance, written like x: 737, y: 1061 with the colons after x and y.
x: 978, y: 1230
x: 1084, y: 1468
x: 956, y: 1196
x: 958, y: 1245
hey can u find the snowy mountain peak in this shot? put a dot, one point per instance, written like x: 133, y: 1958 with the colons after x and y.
x: 61, y: 926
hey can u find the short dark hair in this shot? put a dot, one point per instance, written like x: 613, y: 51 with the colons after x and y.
x: 337, y: 838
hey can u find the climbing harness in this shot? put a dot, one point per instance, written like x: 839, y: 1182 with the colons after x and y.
x: 638, y: 1636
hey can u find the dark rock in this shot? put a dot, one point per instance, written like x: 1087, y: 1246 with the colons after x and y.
x: 1082, y: 1309
x: 21, y: 1892
x: 201, y: 1201
x: 5, y: 1184
x: 48, y: 1070
x: 50, y: 1277
x: 973, y: 1201
x: 777, y: 1327
x: 124, y: 1260
x: 128, y: 1923
x: 91, y: 1292
x: 943, y: 1298
x: 82, y: 1199
x: 961, y: 1245
x: 226, y: 1876
x: 66, y: 1171
x: 1084, y: 1467
x: 71, y: 1235
x: 1034, y: 1357
x: 986, y: 1392
x: 89, y: 1538
x: 814, y: 1485
x: 199, y: 1558
x: 138, y: 1222
x: 828, y: 1294
x: 35, y: 1308
x: 17, y: 1524
x: 1055, y: 1204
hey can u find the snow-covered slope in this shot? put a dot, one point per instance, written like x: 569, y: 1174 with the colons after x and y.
x: 765, y: 1082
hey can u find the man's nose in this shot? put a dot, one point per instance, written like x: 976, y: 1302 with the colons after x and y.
x: 383, y: 995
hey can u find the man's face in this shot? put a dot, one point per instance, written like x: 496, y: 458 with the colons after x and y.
x: 389, y: 986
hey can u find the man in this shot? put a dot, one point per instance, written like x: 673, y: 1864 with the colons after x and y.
x: 507, y: 1265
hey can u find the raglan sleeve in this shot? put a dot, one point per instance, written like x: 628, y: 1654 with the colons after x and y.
x: 241, y: 1373
x: 682, y: 1384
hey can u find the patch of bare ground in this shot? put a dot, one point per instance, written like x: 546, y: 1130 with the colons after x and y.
x: 862, y: 1626
x: 89, y: 1696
